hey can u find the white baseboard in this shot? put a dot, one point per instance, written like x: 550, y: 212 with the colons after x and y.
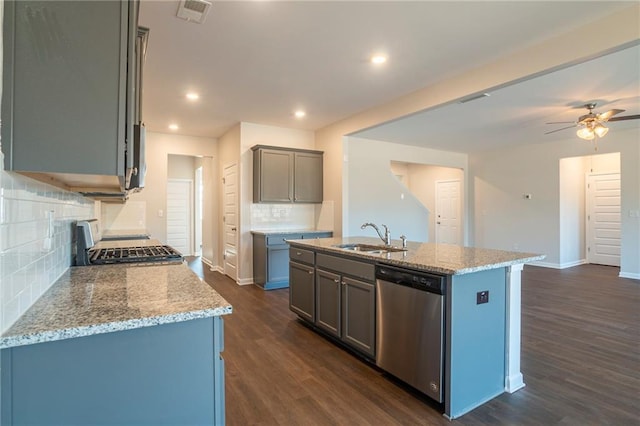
x: 206, y: 261
x: 514, y: 383
x: 245, y: 281
x: 559, y: 265
x: 217, y: 268
x: 629, y: 275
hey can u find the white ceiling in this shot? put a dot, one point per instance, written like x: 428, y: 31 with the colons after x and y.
x: 518, y: 114
x: 259, y: 61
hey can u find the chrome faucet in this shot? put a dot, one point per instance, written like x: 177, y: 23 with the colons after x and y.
x: 386, y: 238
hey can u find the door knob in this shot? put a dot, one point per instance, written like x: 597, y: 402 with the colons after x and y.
x: 234, y: 228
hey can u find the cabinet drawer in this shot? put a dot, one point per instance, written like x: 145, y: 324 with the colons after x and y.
x: 301, y: 255
x: 281, y: 238
x: 350, y: 267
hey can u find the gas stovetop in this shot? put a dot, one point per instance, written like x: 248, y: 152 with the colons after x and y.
x: 160, y: 253
x: 114, y: 252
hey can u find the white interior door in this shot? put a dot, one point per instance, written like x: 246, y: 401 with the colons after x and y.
x: 448, y: 221
x: 230, y: 219
x: 603, y: 218
x: 179, y: 215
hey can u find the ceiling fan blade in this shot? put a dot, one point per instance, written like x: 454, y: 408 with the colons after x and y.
x: 560, y: 122
x: 562, y: 128
x: 625, y: 117
x: 607, y: 115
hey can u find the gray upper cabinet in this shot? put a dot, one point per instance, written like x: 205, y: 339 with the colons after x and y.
x: 284, y: 175
x: 307, y: 182
x: 68, y: 102
x: 272, y: 176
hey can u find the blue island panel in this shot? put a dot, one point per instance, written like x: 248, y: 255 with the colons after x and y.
x: 475, y: 340
x: 168, y: 374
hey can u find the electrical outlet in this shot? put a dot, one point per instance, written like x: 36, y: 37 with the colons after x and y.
x: 482, y: 297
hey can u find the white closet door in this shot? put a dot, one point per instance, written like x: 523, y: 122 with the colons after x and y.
x: 179, y: 216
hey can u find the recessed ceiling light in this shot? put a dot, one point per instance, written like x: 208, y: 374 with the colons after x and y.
x: 192, y: 96
x: 173, y: 126
x: 300, y: 114
x: 378, y: 59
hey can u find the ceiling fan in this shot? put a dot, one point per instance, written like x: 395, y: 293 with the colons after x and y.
x: 592, y: 124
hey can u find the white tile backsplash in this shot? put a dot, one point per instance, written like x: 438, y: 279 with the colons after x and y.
x: 282, y: 216
x: 34, y: 250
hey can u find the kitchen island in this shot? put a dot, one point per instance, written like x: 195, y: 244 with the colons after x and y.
x: 481, y: 307
x: 117, y: 344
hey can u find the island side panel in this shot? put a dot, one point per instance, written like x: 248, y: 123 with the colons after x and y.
x: 514, y: 379
x: 475, y: 371
x: 153, y: 375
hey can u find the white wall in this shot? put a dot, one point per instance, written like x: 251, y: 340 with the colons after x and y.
x: 181, y: 167
x: 372, y: 193
x: 154, y: 195
x: 572, y: 211
x: 503, y: 218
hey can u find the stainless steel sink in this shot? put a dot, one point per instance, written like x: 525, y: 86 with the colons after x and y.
x: 368, y: 248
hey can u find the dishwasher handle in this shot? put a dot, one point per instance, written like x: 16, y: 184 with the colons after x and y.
x: 424, y: 281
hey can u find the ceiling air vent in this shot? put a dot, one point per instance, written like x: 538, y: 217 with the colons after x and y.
x: 193, y: 10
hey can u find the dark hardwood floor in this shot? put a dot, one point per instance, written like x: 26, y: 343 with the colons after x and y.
x: 580, y: 360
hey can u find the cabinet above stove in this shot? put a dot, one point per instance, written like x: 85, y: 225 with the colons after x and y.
x: 70, y: 104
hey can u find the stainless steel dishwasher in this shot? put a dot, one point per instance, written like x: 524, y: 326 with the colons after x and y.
x: 410, y: 327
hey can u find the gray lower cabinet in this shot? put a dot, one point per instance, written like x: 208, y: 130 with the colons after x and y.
x: 164, y: 374
x: 271, y: 257
x: 340, y: 301
x: 359, y: 315
x: 328, y: 312
x: 345, y: 308
x: 286, y: 175
x: 302, y: 290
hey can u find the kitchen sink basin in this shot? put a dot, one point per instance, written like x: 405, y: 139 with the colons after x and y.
x: 368, y: 248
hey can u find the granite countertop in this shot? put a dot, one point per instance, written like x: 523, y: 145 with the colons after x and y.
x: 445, y: 259
x: 89, y: 300
x: 286, y: 231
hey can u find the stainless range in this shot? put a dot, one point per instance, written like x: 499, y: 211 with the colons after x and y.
x: 90, y: 250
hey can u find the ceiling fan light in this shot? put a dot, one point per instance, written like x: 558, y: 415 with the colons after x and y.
x: 601, y: 130
x: 586, y: 133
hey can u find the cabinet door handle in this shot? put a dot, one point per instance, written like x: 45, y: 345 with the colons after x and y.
x: 298, y: 253
x: 310, y: 272
x: 336, y: 280
x: 343, y: 283
x: 234, y: 228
